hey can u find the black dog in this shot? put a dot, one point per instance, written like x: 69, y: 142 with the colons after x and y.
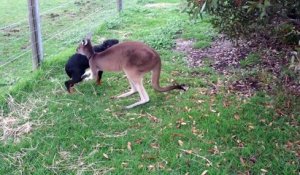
x: 77, y: 64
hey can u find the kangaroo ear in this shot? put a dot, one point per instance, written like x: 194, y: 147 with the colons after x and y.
x: 84, y: 42
x: 88, y: 36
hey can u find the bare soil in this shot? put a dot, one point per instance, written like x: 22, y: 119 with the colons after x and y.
x: 225, y: 56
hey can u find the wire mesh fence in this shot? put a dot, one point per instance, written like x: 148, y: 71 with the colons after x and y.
x: 63, y: 22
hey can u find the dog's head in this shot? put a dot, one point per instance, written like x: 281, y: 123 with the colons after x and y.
x: 105, y: 45
x: 110, y: 42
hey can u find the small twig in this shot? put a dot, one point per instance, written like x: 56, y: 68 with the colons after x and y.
x: 78, y: 91
x: 94, y: 90
x: 202, y: 157
x: 122, y: 134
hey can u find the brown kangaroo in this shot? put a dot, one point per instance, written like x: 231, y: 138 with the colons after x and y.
x: 134, y: 59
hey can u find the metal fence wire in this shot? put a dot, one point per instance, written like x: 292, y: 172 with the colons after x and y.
x: 63, y: 23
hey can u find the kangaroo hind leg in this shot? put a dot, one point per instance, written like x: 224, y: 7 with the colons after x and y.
x: 132, y: 90
x: 144, y: 98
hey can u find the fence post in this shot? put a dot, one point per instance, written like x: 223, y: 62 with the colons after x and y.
x: 36, y: 34
x: 120, y: 5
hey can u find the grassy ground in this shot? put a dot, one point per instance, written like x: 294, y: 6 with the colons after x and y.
x: 51, y: 132
x: 62, y: 23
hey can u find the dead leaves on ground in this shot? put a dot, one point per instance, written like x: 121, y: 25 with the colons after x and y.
x: 208, y: 163
x: 153, y: 118
x: 294, y: 147
x: 180, y: 122
x: 157, y: 166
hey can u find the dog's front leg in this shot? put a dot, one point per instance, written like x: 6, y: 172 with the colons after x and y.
x: 99, y: 77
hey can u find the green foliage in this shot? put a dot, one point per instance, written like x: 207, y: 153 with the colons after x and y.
x: 288, y: 33
x: 239, y: 18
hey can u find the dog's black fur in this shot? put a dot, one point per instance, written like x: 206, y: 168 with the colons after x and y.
x: 77, y: 64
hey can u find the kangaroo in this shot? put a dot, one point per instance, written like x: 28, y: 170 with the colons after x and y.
x: 134, y: 59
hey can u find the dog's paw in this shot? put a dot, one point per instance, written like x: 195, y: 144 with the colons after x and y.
x: 87, y: 75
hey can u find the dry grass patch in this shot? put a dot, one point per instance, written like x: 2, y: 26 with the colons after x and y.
x: 65, y: 161
x: 17, y: 122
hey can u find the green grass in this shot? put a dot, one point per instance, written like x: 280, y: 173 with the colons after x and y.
x: 175, y: 133
x: 200, y: 33
x: 251, y: 60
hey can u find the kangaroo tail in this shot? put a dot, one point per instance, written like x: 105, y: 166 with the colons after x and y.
x: 155, y: 81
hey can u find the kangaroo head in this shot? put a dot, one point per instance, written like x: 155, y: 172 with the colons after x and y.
x: 85, y: 47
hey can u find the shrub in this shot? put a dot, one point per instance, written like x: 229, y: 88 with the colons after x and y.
x: 240, y: 18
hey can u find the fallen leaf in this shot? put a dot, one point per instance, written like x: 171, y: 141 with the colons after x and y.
x: 188, y: 151
x: 180, y: 123
x: 253, y: 159
x: 236, y: 116
x: 289, y: 145
x: 151, y: 167
x: 154, y: 145
x: 187, y: 109
x: 153, y: 118
x: 214, y: 150
x: 200, y: 101
x: 241, y: 145
x: 251, y: 127
x: 177, y: 135
x: 226, y: 104
x: 124, y: 164
x: 204, y: 172
x: 242, y: 161
x: 178, y: 155
x: 263, y: 170
x: 129, y: 146
x: 270, y: 124
x: 194, y: 130
x: 162, y: 165
x: 180, y: 143
x: 105, y: 155
x: 138, y: 141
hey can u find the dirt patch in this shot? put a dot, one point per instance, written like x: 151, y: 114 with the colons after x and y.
x: 225, y: 57
x: 53, y: 15
x: 10, y: 32
x: 222, y: 52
